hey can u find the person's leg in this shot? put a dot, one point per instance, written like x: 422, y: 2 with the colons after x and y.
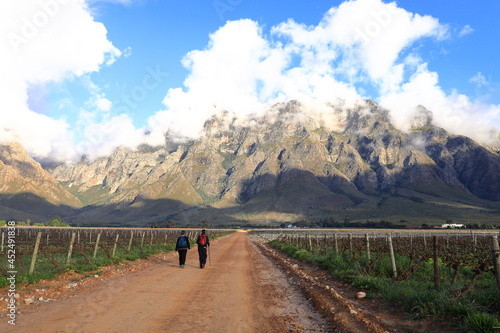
x: 182, y: 257
x: 200, y: 255
x: 203, y: 259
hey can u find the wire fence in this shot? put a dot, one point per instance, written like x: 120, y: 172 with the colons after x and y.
x: 60, y: 246
x: 478, y: 251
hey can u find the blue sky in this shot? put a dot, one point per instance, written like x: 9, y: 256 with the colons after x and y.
x: 123, y: 73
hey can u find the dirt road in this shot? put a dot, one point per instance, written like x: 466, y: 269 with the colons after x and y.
x: 240, y: 291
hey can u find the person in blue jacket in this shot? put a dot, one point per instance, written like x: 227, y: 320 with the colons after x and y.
x: 182, y: 246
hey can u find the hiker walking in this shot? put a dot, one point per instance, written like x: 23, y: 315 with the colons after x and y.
x: 203, y: 244
x: 182, y: 246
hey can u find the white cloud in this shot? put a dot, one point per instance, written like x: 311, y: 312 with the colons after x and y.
x: 127, y: 52
x: 120, y: 2
x: 466, y: 30
x: 454, y: 112
x: 103, y: 104
x: 362, y: 44
x: 101, y: 137
x: 46, y: 41
x: 479, y: 80
x: 367, y: 34
x: 97, y: 100
x: 356, y: 45
x: 486, y: 89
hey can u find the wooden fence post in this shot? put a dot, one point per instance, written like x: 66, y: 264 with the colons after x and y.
x: 68, y: 260
x: 3, y: 239
x: 393, y: 259
x: 336, y: 246
x: 116, y: 243
x: 326, y: 245
x: 35, y: 252
x: 350, y: 245
x: 317, y: 245
x: 368, y: 254
x: 142, y: 240
x: 97, y: 244
x: 436, y: 260
x: 130, y: 241
x: 495, y: 251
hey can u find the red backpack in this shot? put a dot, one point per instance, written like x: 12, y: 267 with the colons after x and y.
x: 202, y: 240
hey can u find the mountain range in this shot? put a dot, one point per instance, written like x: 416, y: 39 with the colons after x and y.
x: 347, y: 164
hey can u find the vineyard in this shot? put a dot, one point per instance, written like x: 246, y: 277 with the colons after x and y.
x: 36, y: 253
x: 451, y: 275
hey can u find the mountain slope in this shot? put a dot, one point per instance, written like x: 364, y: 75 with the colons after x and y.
x: 350, y: 164
x: 27, y: 190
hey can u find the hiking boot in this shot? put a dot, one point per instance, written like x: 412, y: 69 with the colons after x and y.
x: 202, y: 265
x: 181, y: 266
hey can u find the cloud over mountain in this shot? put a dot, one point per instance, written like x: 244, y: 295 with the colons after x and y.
x: 359, y: 49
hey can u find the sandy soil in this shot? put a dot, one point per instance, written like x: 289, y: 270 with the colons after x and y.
x: 245, y: 287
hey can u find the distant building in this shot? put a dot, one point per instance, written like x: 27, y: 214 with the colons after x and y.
x: 452, y: 225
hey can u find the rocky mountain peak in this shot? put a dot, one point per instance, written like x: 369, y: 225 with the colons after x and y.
x: 14, y: 155
x: 295, y: 161
x: 423, y: 118
x: 11, y: 152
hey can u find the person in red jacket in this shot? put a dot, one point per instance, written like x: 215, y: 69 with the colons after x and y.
x: 203, y: 244
x: 182, y: 246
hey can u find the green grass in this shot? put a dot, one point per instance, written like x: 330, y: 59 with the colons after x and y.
x: 482, y: 322
x: 96, y: 194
